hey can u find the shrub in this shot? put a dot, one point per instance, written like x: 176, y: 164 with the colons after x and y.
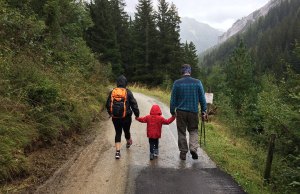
x: 42, y: 95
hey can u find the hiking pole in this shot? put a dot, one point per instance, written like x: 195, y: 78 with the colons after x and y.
x: 201, y: 133
x: 202, y: 127
x: 204, y: 131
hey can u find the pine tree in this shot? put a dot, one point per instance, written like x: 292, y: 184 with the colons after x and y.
x: 130, y: 66
x: 239, y: 76
x: 164, y: 48
x: 190, y: 57
x: 164, y: 31
x: 175, y: 36
x: 145, y: 42
x: 120, y: 21
x: 169, y: 39
x: 102, y: 37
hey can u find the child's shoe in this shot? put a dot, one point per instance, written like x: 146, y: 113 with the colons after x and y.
x: 151, y: 156
x: 129, y: 143
x: 156, y: 153
x: 118, y: 155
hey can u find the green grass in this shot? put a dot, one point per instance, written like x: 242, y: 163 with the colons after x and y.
x: 15, y: 133
x: 234, y: 155
x: 162, y: 95
x: 237, y: 157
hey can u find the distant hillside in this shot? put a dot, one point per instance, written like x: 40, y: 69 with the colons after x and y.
x: 202, y: 35
x: 242, y: 24
x: 270, y: 40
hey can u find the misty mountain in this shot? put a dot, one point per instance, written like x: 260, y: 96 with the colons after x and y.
x: 242, y: 24
x: 202, y: 35
x: 271, y: 39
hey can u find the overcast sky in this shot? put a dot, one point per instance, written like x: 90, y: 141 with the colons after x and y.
x: 220, y: 14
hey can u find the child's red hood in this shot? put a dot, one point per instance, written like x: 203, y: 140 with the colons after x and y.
x: 155, y: 110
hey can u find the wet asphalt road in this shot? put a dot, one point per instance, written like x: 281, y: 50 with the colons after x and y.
x: 188, y: 181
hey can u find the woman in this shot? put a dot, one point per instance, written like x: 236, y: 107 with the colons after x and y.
x: 120, y: 105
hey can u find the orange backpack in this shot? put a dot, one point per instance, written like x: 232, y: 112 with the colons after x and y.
x: 118, y: 102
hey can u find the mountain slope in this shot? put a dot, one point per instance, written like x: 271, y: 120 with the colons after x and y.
x: 202, y: 35
x: 242, y: 24
x: 270, y: 40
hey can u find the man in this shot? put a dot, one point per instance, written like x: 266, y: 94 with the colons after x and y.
x: 120, y: 104
x: 187, y: 93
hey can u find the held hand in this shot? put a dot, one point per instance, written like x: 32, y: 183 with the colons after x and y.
x: 136, y: 118
x: 204, y: 116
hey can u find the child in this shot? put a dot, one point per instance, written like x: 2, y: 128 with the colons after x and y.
x: 154, y: 124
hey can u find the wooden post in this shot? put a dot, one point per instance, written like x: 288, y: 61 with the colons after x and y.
x: 267, y: 173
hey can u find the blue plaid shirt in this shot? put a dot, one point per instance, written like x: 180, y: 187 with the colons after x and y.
x: 187, y: 92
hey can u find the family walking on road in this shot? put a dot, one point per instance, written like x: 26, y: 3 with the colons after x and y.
x: 186, y: 95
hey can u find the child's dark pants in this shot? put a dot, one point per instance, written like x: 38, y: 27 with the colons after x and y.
x: 153, y: 144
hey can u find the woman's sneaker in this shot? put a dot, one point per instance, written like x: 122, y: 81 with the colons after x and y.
x: 118, y: 155
x: 129, y: 143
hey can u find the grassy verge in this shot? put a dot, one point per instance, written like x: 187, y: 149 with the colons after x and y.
x: 234, y: 155
x: 163, y: 96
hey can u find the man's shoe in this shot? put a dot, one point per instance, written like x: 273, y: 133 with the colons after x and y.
x: 129, y: 143
x: 182, y: 156
x: 151, y: 156
x: 194, y: 155
x: 118, y: 155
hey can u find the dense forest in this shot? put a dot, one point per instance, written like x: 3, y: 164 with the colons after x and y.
x: 255, y: 78
x: 145, y: 48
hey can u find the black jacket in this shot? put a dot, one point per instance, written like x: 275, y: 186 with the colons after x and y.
x: 131, y: 104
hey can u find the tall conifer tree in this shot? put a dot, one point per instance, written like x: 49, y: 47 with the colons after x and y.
x: 190, y: 57
x: 145, y: 42
x: 240, y: 76
x: 120, y: 21
x: 102, y: 37
x: 168, y: 23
